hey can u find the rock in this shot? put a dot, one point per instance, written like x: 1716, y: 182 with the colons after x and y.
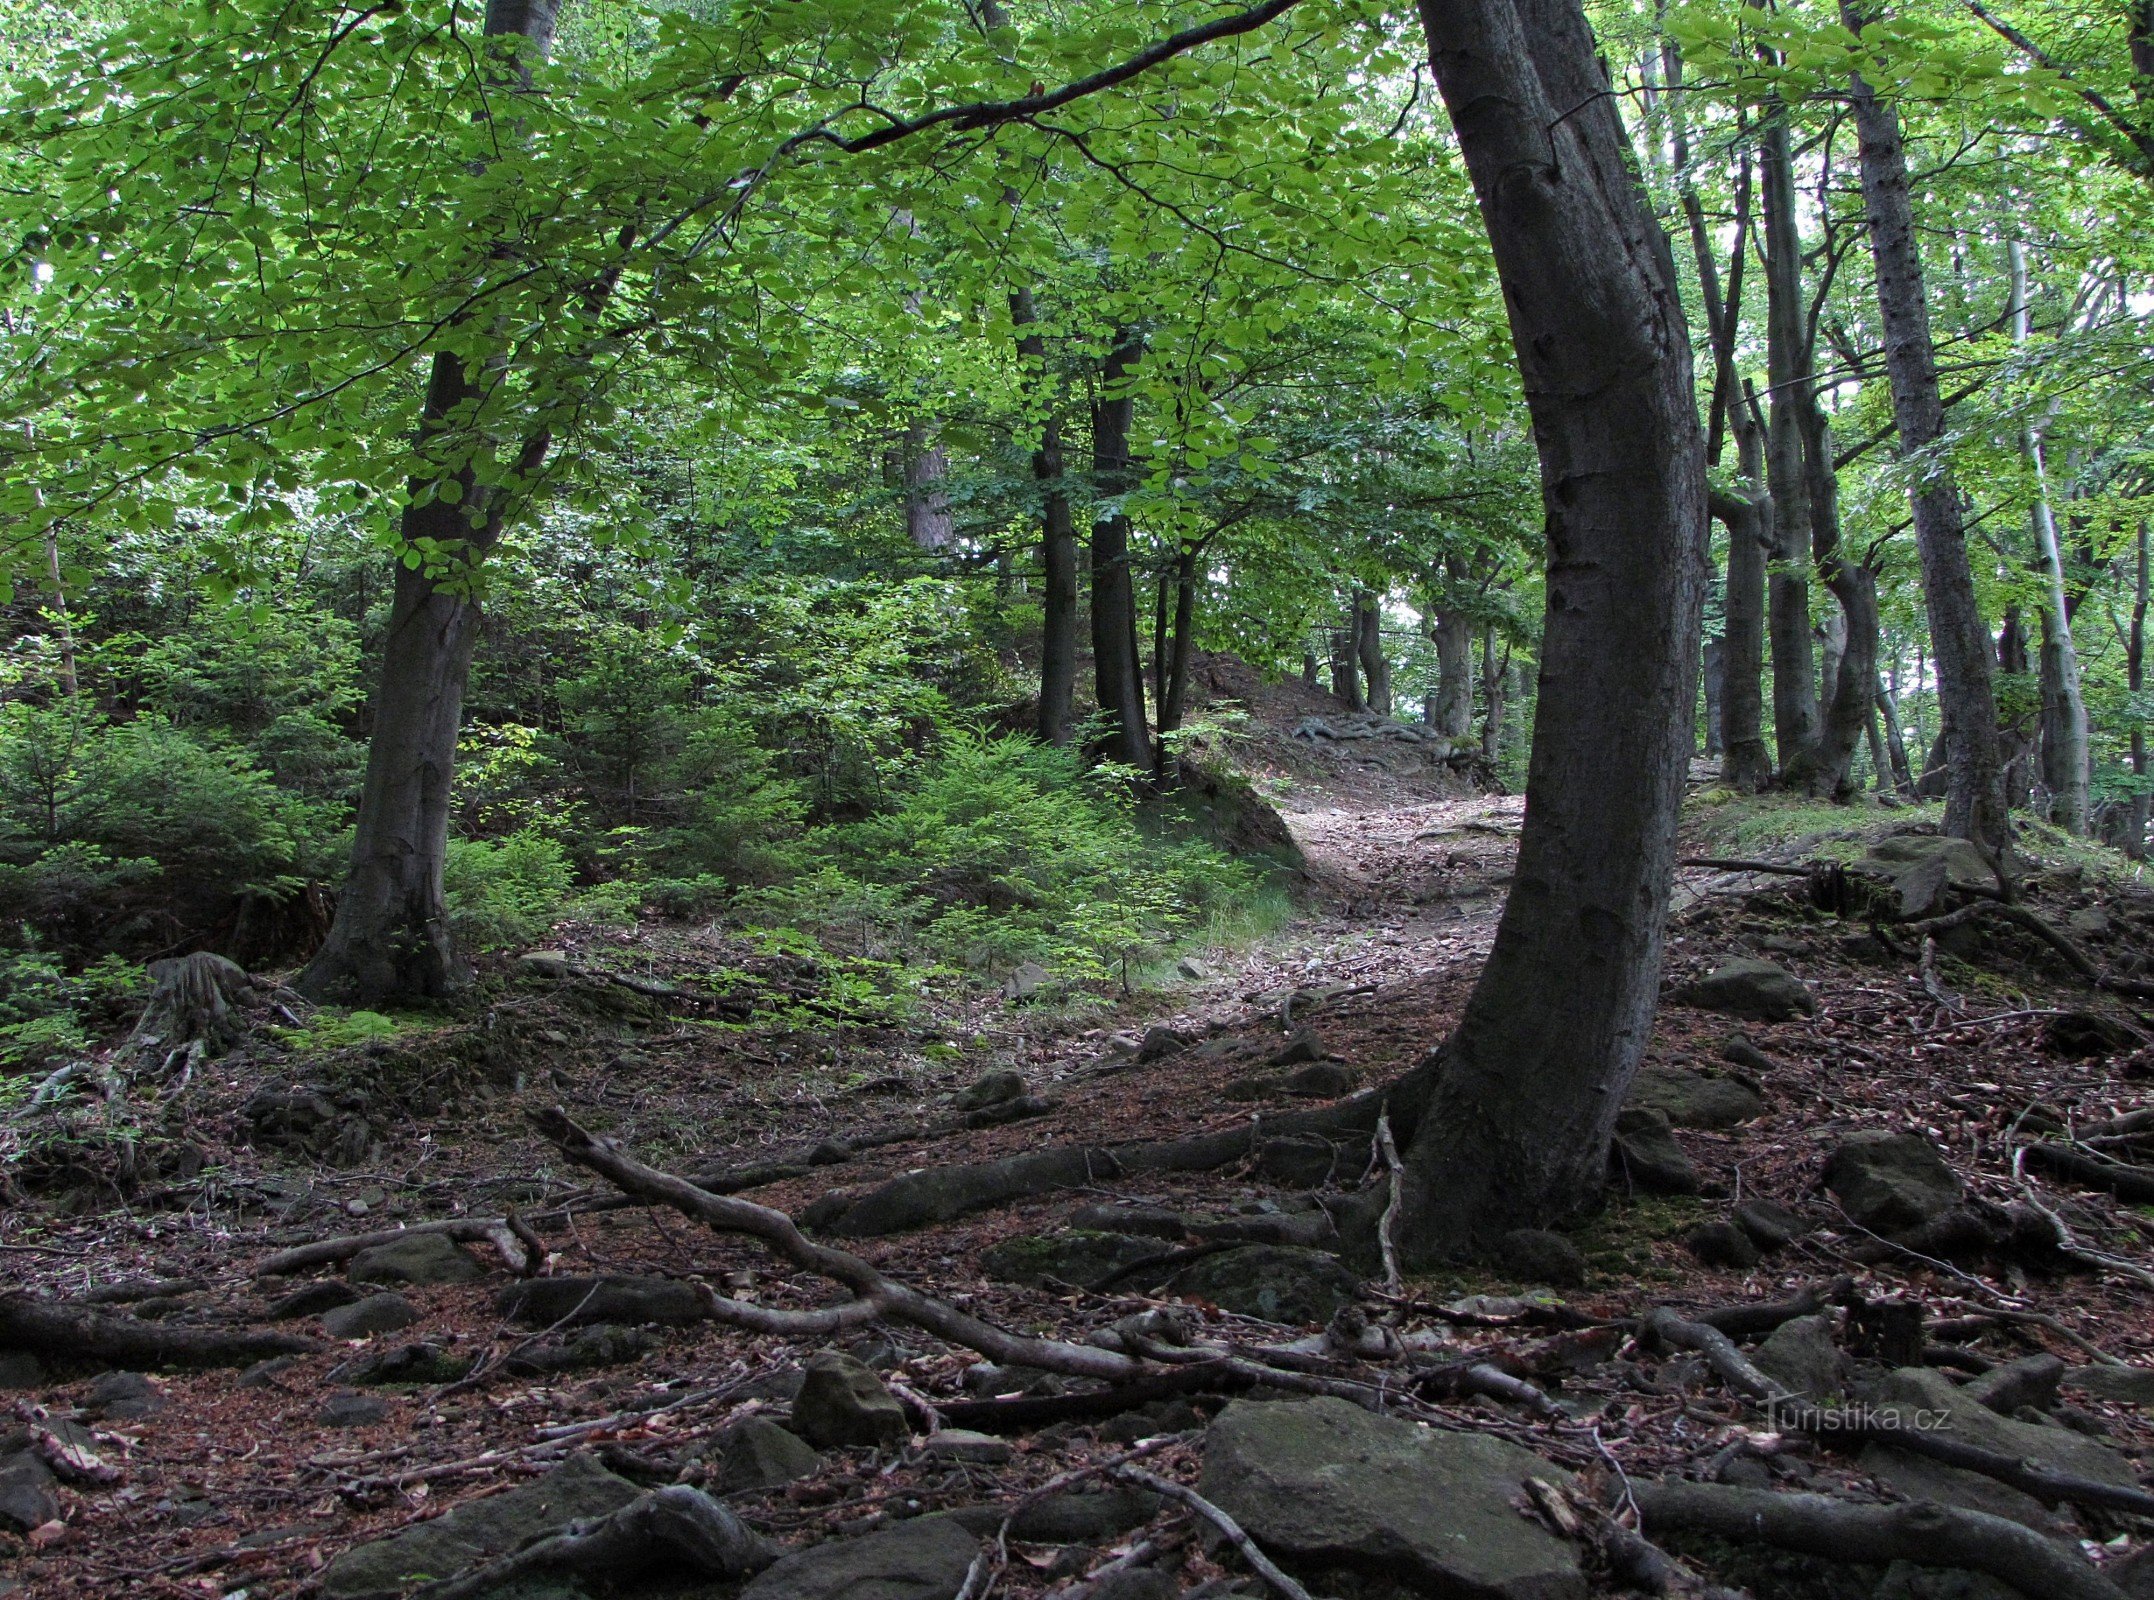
x: 2081, y: 1034
x: 478, y: 1530
x: 1253, y: 1086
x: 1770, y: 1226
x: 1025, y: 982
x: 1535, y: 1255
x: 1087, y: 1516
x: 1304, y: 1044
x: 1922, y: 866
x: 962, y: 1444
x: 1756, y: 990
x: 1323, y: 1485
x: 1154, y: 1222
x: 422, y: 1362
x: 1002, y: 1111
x: 991, y: 1089
x: 19, y: 1369
x: 264, y: 1374
x: 1079, y: 1257
x: 1802, y: 1357
x: 755, y: 1453
x: 1690, y: 1099
x: 1133, y: 1583
x: 2029, y: 1381
x: 29, y: 1497
x: 2089, y: 922
x: 2134, y: 1574
x: 417, y: 1259
x: 347, y: 1410
x: 1160, y: 1042
x: 576, y: 1302
x: 124, y: 1397
x: 1646, y: 1156
x: 1192, y: 970
x: 1922, y: 1397
x: 1300, y: 1160
x: 1277, y: 1283
x: 1738, y: 1051
x: 924, y: 1559
x: 1721, y: 1244
x: 362, y: 1319
x: 600, y: 1344
x: 2132, y: 1386
x: 554, y: 964
x: 1888, y: 1182
x: 312, y: 1299
x: 842, y: 1402
x: 1322, y: 1080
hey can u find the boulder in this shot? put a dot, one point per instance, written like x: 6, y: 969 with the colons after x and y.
x: 419, y: 1362
x: 1770, y: 1226
x: 924, y: 1559
x: 312, y: 1299
x: 601, y: 1344
x: 1691, y: 1099
x: 1276, y: 1283
x: 1921, y: 867
x: 1888, y: 1182
x: 1322, y: 1485
x: 1160, y: 1042
x: 1192, y: 970
x: 124, y: 1397
x: 1535, y: 1255
x: 842, y: 1402
x: 1721, y: 1244
x: 1322, y: 1080
x: 991, y: 1089
x: 1757, y: 991
x: 1084, y: 1516
x: 1646, y: 1156
x: 1133, y: 1583
x: 1079, y: 1257
x: 1803, y: 1358
x: 755, y: 1453
x: 2029, y: 1381
x: 1003, y: 1111
x: 1303, y: 1044
x: 2131, y: 1386
x: 1154, y: 1222
x: 417, y: 1258
x: 362, y: 1319
x: 962, y: 1444
x: 1025, y: 981
x: 575, y: 1302
x: 29, y: 1496
x: 478, y: 1530
x: 1922, y: 1397
x: 2081, y: 1034
x: 348, y: 1410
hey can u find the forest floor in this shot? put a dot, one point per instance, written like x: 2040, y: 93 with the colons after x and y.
x: 255, y: 1479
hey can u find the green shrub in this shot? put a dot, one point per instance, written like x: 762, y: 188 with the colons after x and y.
x: 48, y: 1014
x: 507, y: 891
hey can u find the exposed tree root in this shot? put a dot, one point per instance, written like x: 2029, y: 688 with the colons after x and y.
x: 66, y: 1334
x: 1841, y: 1530
x: 674, y: 1526
x: 190, y: 1016
x: 2044, y: 1483
x: 2125, y: 1181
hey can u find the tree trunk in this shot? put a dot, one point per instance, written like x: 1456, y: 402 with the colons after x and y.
x: 1308, y: 669
x: 1454, y: 675
x: 1118, y: 674
x: 1518, y: 1131
x: 2135, y: 843
x: 1851, y: 683
x: 1974, y: 801
x: 1345, y: 666
x: 1795, y: 706
x: 1369, y: 647
x: 391, y: 938
x: 1713, y: 665
x: 1745, y: 765
x: 2018, y: 737
x: 926, y: 467
x: 1182, y: 643
x: 1492, y: 676
x: 1058, y: 541
x: 1888, y: 706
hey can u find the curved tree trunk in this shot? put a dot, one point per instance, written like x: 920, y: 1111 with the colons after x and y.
x: 1118, y: 672
x: 1795, y: 704
x: 1369, y: 650
x: 1518, y: 1130
x: 1974, y: 799
x: 1851, y: 684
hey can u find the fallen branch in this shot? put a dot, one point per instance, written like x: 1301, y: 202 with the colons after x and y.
x: 675, y: 1525
x: 1733, y: 1367
x: 2125, y: 1181
x: 69, y: 1334
x: 1259, y: 1562
x: 1923, y: 1532
x: 2029, y: 1477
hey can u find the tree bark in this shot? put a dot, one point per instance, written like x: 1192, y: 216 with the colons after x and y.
x: 1519, y: 1127
x: 1974, y: 799
x: 1492, y: 676
x: 1745, y: 765
x: 1888, y: 706
x: 1851, y: 684
x: 1795, y: 704
x: 2135, y: 842
x: 1454, y: 675
x: 1345, y: 663
x: 1181, y: 643
x: 391, y: 938
x: 926, y: 467
x: 1369, y: 648
x: 1118, y: 674
x: 1058, y: 540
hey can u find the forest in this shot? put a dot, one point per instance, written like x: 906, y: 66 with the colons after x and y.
x: 1291, y: 798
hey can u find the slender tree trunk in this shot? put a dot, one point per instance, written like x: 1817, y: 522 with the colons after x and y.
x: 1118, y: 673
x: 2018, y: 723
x: 1888, y: 706
x: 1745, y: 765
x: 1518, y: 1130
x: 1345, y: 661
x: 1492, y: 675
x: 391, y: 938
x: 1454, y: 675
x: 1182, y: 646
x: 1369, y: 647
x: 2135, y: 844
x: 1308, y: 669
x: 1162, y: 609
x: 1974, y: 802
x: 62, y: 624
x: 1058, y: 539
x: 1851, y: 683
x: 1795, y: 705
x: 926, y: 468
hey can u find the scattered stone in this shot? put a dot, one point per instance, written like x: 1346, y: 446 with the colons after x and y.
x: 347, y: 1410
x: 2132, y: 1386
x: 1646, y: 1156
x: 478, y: 1530
x: 842, y: 1402
x: 1253, y: 1086
x: 923, y: 1559
x: 577, y: 1302
x: 2029, y: 1381
x: 1276, y: 1283
x: 2081, y: 1034
x: 1740, y: 1052
x: 1026, y: 982
x: 124, y: 1397
x: 1535, y: 1255
x: 362, y: 1319
x: 1155, y: 1222
x: 1004, y: 1111
x: 421, y: 1362
x: 992, y: 1089
x: 1079, y: 1257
x: 19, y: 1369
x: 1322, y: 1080
x: 312, y: 1299
x: 1323, y: 1485
x: 756, y: 1453
x: 1085, y: 1516
x: 29, y: 1497
x: 1690, y: 1099
x: 2089, y: 922
x: 1770, y: 1226
x: 1756, y: 990
x: 601, y: 1344
x: 1802, y: 1357
x: 418, y: 1259
x: 1304, y: 1044
x: 1925, y: 1397
x: 962, y: 1444
x: 1890, y: 1181
x: 553, y: 964
x: 1721, y: 1244
x: 1160, y: 1042
x: 264, y: 1374
x: 1191, y: 969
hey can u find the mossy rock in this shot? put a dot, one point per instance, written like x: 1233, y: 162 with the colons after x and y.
x: 1079, y: 1257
